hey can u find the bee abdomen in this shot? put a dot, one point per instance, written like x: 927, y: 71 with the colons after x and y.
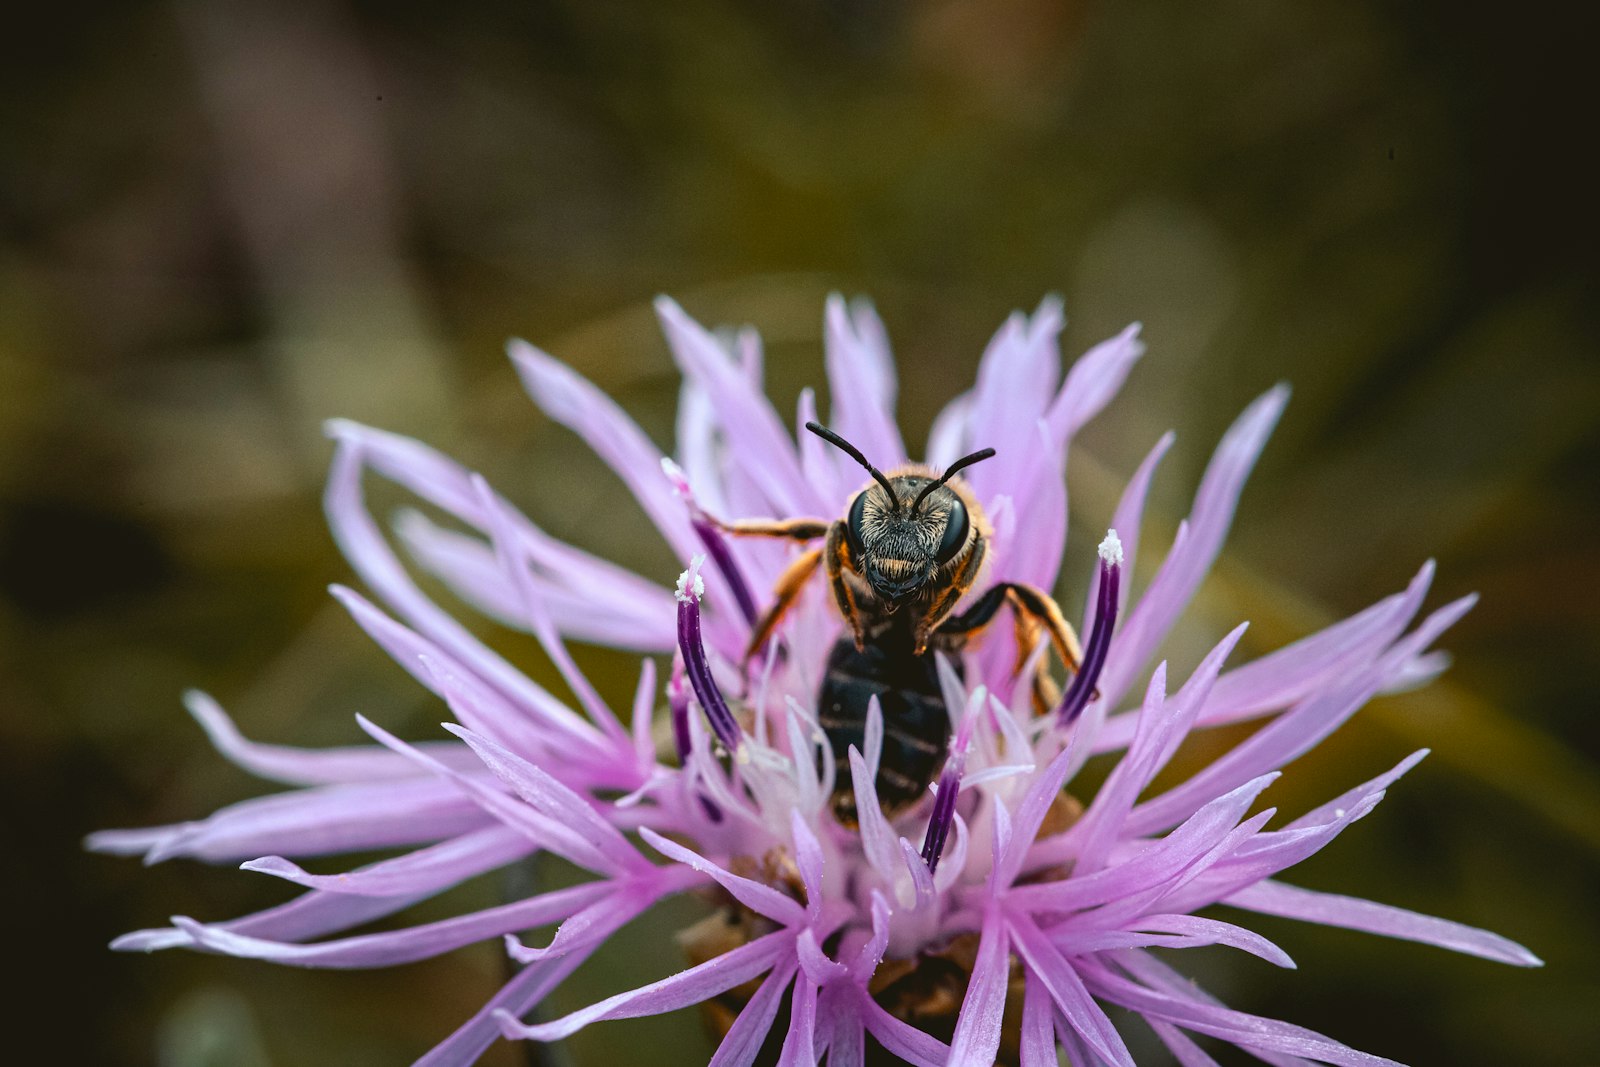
x: 916, y: 722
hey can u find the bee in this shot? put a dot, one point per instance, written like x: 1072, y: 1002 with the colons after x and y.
x: 909, y: 547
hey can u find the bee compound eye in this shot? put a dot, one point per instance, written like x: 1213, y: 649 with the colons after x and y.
x: 955, y: 532
x: 853, y: 521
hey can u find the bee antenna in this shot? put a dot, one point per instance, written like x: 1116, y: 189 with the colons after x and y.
x: 855, y: 453
x: 965, y: 461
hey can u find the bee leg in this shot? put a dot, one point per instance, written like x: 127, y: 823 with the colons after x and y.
x: 794, y: 576
x: 981, y: 612
x: 1028, y: 632
x: 1046, y: 694
x: 945, y: 602
x: 1041, y: 606
x: 1036, y: 612
x: 788, y: 588
x: 837, y: 554
x: 787, y: 529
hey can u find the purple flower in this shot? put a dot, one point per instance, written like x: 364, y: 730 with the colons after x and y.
x: 1024, y: 890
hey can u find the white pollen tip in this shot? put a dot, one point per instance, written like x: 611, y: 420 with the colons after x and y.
x: 691, y: 587
x: 675, y: 475
x: 1111, y: 549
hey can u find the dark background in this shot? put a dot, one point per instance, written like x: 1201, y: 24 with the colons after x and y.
x: 221, y: 223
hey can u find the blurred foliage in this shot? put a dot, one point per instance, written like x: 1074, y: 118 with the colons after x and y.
x: 222, y: 222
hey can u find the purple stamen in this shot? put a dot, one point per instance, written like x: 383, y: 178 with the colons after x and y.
x: 690, y: 589
x: 678, y: 705
x: 1082, y: 688
x: 715, y: 544
x: 944, y: 801
x: 944, y: 810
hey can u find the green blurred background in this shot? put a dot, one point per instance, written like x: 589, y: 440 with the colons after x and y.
x: 222, y: 222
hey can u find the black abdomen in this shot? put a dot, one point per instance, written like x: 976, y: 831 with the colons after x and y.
x: 916, y: 723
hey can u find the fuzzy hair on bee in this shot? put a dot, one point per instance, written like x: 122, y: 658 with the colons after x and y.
x: 903, y: 550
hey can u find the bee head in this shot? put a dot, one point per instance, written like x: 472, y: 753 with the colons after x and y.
x: 903, y: 531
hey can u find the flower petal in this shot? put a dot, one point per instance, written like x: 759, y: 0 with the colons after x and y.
x: 1046, y: 965
x: 1353, y: 913
x: 542, y: 727
x: 699, y: 449
x: 844, y: 1038
x: 916, y: 867
x: 808, y: 858
x: 1150, y: 970
x: 680, y: 990
x: 745, y: 1038
x: 1094, y: 379
x: 1032, y: 810
x: 1181, y: 573
x: 303, y: 766
x: 1037, y: 1039
x: 831, y: 471
x: 397, y: 946
x: 902, y: 1039
x: 317, y: 822
x: 948, y: 437
x: 955, y: 863
x: 535, y: 616
x: 1292, y: 733
x: 759, y: 898
x: 644, y: 711
x: 1353, y: 798
x: 1280, y: 678
x: 877, y: 838
x: 802, y: 750
x: 570, y: 578
x: 1128, y: 522
x: 861, y: 381
x: 431, y: 868
x: 816, y: 966
x: 602, y: 611
x: 1295, y: 671
x: 1163, y: 725
x: 1016, y: 377
x: 1263, y: 856
x: 516, y: 997
x: 309, y: 915
x: 977, y: 1035
x: 573, y: 401
x: 625, y: 899
x: 553, y: 800
x: 1190, y: 887
x: 370, y: 556
x: 1073, y: 1044
x: 799, y: 1044
x: 1248, y: 1031
x: 765, y: 451
x: 1168, y: 931
x: 1152, y: 864
x: 867, y: 959
x: 1182, y: 1047
x: 1034, y: 556
x: 540, y: 828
